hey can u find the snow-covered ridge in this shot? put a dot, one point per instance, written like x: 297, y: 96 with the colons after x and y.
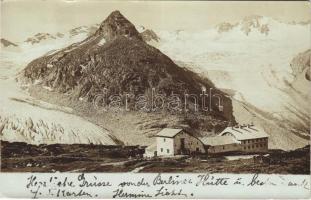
x: 252, y: 57
x: 257, y: 24
x: 88, y: 30
x: 242, y: 57
x: 248, y: 59
x: 24, y: 119
x: 37, y: 38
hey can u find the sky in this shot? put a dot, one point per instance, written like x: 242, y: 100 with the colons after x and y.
x: 23, y: 18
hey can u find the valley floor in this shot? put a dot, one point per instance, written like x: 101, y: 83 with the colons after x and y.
x: 22, y: 157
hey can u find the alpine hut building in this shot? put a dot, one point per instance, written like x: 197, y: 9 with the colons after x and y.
x: 171, y: 142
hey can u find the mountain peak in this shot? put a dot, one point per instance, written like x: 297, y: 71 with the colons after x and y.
x: 116, y: 13
x: 116, y: 25
x: 6, y: 43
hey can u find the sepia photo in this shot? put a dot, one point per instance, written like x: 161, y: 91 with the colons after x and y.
x: 155, y: 87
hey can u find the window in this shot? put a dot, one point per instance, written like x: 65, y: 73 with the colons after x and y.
x: 163, y: 139
x: 167, y: 150
x: 161, y: 149
x: 223, y: 147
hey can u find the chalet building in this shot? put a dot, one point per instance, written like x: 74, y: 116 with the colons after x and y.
x: 172, y: 142
x: 251, y: 138
x: 221, y: 144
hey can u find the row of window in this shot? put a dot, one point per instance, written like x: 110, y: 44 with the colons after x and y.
x: 254, y: 146
x: 189, y: 143
x: 254, y: 140
x: 167, y: 150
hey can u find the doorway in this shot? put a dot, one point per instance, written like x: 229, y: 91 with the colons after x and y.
x: 182, y: 143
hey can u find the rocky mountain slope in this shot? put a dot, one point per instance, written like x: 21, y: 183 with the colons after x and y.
x: 116, y: 60
x: 256, y: 50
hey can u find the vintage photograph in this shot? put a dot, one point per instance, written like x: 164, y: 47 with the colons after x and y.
x: 155, y: 87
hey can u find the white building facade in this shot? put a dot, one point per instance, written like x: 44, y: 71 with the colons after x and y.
x: 251, y: 138
x: 172, y: 142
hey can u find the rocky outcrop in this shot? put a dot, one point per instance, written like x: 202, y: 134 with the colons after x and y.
x: 149, y: 35
x: 224, y: 27
x: 116, y: 25
x: 246, y: 25
x: 88, y: 30
x: 254, y: 22
x: 6, y: 43
x: 39, y: 37
x: 301, y: 64
x: 117, y: 61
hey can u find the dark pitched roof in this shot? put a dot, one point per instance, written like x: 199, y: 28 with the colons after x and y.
x: 218, y: 140
x: 168, y: 132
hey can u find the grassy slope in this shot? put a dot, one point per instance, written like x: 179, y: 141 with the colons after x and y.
x: 20, y: 157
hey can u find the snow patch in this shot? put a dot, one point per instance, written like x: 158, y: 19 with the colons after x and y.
x: 48, y: 88
x: 101, y: 42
